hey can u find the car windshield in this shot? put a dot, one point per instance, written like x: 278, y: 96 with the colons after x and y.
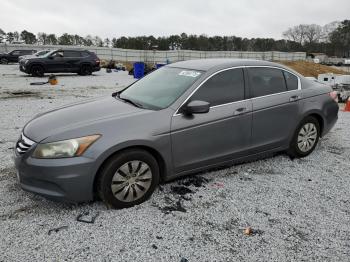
x: 41, y: 53
x: 161, y: 88
x: 49, y: 53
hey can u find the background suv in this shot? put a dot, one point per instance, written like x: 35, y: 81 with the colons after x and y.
x: 82, y: 62
x: 13, y: 56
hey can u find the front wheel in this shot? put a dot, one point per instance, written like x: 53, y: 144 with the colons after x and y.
x: 128, y: 178
x: 37, y: 70
x: 305, y: 138
x: 4, y: 61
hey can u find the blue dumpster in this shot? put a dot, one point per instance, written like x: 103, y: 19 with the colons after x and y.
x: 139, y: 70
x: 159, y: 65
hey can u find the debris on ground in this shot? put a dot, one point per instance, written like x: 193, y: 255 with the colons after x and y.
x: 218, y: 185
x: 56, y: 230
x: 195, y: 180
x: 249, y: 231
x: 177, y: 206
x: 181, y: 190
x: 87, y: 218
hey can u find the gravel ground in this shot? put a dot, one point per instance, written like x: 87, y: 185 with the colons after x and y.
x: 298, y: 210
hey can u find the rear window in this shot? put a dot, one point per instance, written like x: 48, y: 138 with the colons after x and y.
x: 291, y: 81
x: 71, y: 54
x: 266, y: 81
x: 84, y: 53
x: 27, y: 52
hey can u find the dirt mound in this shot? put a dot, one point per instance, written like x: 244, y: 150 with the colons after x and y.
x: 311, y: 69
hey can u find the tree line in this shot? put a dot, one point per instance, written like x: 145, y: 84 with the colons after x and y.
x: 332, y: 39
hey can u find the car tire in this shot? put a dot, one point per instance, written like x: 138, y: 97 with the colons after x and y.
x: 4, y: 61
x: 305, y: 138
x: 128, y: 178
x: 340, y: 100
x: 85, y: 70
x: 37, y: 70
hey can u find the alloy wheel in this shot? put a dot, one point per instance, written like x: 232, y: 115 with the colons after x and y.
x: 307, y: 137
x: 131, y: 181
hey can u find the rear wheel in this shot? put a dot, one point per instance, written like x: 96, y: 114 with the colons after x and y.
x: 305, y: 138
x: 37, y: 70
x: 85, y: 70
x: 128, y: 178
x: 4, y: 61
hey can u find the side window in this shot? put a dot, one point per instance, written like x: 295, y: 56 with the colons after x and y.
x: 57, y: 54
x: 266, y: 81
x: 16, y: 52
x: 84, y: 54
x: 71, y: 54
x: 291, y: 81
x: 222, y: 88
x: 26, y: 52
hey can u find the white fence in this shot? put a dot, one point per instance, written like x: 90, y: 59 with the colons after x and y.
x: 128, y: 55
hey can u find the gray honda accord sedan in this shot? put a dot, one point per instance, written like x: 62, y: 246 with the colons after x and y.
x: 183, y: 118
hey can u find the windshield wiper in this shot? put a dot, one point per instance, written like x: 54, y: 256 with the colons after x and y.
x: 117, y: 94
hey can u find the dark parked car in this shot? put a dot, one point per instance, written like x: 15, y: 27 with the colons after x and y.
x: 180, y: 119
x: 82, y: 62
x: 12, y: 57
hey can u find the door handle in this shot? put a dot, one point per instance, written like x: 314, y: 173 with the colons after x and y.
x: 294, y: 98
x: 240, y: 111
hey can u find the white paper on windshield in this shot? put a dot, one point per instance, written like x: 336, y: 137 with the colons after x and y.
x: 189, y: 73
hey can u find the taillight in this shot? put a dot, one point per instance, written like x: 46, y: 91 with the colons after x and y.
x: 334, y: 96
x: 97, y: 61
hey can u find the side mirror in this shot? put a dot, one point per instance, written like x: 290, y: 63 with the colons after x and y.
x: 196, y: 107
x: 50, y: 57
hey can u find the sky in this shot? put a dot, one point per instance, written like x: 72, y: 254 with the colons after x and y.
x: 115, y: 18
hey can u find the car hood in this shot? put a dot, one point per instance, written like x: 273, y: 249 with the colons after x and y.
x: 32, y: 58
x: 77, y: 115
x: 28, y: 56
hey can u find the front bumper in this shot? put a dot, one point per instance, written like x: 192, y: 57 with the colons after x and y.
x: 22, y: 68
x: 67, y: 179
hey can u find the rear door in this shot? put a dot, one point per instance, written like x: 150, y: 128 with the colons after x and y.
x: 72, y: 60
x: 221, y: 134
x: 275, y: 106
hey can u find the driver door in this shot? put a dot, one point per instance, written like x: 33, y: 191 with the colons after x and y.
x: 222, y: 134
x: 56, y: 63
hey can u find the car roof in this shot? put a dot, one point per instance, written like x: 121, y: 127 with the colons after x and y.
x: 72, y: 49
x: 23, y: 50
x: 222, y: 63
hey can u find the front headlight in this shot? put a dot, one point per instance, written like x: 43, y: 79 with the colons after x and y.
x: 66, y: 148
x: 26, y: 62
